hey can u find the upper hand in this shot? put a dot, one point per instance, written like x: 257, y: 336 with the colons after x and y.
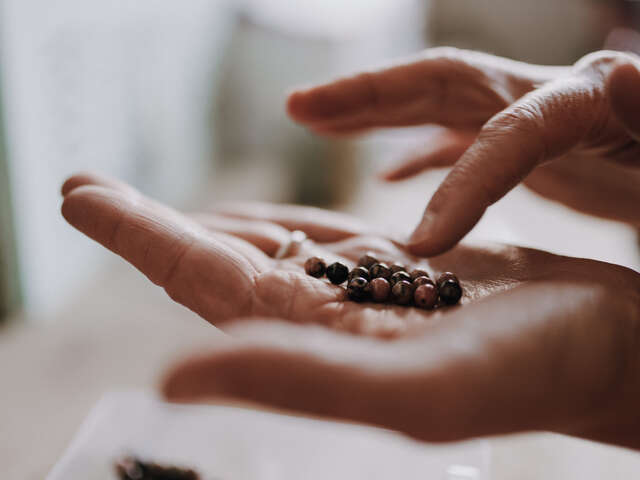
x: 503, y: 119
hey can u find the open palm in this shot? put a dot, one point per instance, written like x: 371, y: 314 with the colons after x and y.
x: 221, y: 265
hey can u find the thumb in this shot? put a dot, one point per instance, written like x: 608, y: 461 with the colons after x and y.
x: 623, y: 88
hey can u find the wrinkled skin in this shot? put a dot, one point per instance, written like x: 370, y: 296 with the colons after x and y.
x: 539, y: 342
x: 571, y: 134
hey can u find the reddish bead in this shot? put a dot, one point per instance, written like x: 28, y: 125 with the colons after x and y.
x: 402, y: 293
x: 426, y: 295
x: 380, y: 289
x: 418, y: 273
x: 358, y: 289
x: 399, y: 276
x: 315, y: 267
x: 358, y: 272
x: 380, y: 270
x: 368, y: 260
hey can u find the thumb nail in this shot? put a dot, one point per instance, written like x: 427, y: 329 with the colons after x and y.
x: 422, y: 231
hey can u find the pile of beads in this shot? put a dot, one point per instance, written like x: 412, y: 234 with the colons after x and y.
x: 379, y: 282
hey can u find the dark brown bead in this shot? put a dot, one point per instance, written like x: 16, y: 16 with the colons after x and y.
x: 426, y: 295
x: 358, y: 272
x: 398, y: 267
x: 380, y: 289
x: 337, y: 273
x: 399, y: 276
x: 368, y: 260
x: 315, y: 267
x: 450, y: 291
x: 358, y: 289
x: 418, y: 273
x: 402, y: 293
x: 380, y: 270
x: 422, y: 281
x: 447, y: 276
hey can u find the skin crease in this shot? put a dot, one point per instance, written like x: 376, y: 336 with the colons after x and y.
x: 502, y: 121
x: 539, y: 342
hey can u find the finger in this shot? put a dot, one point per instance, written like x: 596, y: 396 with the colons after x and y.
x: 444, y: 150
x: 266, y: 236
x: 207, y: 273
x: 623, y: 88
x: 443, y: 85
x: 542, y: 125
x: 319, y: 225
x: 93, y: 178
x: 465, y: 378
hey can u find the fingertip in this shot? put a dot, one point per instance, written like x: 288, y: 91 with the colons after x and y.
x: 77, y: 180
x: 623, y: 87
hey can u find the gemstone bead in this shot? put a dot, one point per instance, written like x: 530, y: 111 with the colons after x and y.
x: 426, y: 295
x: 402, y: 293
x: 447, y: 276
x: 315, y: 267
x: 368, y: 260
x: 380, y: 289
x: 398, y: 267
x: 418, y: 273
x: 380, y: 270
x: 358, y: 289
x: 450, y: 291
x: 358, y: 272
x: 422, y: 281
x: 337, y: 273
x: 399, y: 276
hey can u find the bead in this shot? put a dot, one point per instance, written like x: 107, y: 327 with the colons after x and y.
x: 337, y: 273
x: 398, y: 267
x: 358, y: 272
x: 422, y: 281
x: 368, y: 260
x: 450, y: 291
x: 426, y: 295
x: 447, y: 276
x: 402, y: 293
x: 399, y: 276
x: 315, y: 267
x: 380, y: 289
x: 380, y: 270
x: 418, y: 273
x: 358, y: 289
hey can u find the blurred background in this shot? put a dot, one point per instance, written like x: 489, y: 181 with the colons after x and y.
x: 185, y: 100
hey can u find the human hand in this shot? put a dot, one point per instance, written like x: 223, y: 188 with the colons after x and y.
x: 559, y: 352
x: 220, y: 265
x: 502, y: 119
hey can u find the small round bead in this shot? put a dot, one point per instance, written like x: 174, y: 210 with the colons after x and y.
x: 398, y: 267
x: 315, y: 267
x: 368, y: 260
x: 399, y: 276
x: 358, y: 289
x: 418, y: 273
x: 380, y: 289
x: 426, y: 295
x: 447, y: 276
x: 380, y: 270
x: 358, y: 272
x: 402, y: 293
x: 450, y: 291
x: 337, y: 273
x: 422, y: 281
